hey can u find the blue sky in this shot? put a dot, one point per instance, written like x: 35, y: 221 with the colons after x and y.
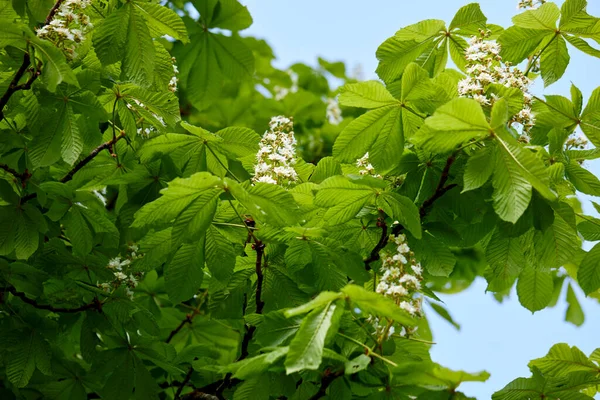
x: 500, y: 338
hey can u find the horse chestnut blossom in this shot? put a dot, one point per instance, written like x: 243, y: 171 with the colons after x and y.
x: 366, y: 168
x: 174, y: 79
x: 525, y: 4
x: 484, y: 68
x: 149, y: 129
x: 400, y: 280
x: 119, y: 267
x: 68, y: 28
x: 334, y: 112
x: 277, y: 154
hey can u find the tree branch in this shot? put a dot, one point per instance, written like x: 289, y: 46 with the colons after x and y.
x: 383, y: 240
x: 441, y: 188
x: 326, y: 380
x: 188, y: 320
x: 219, y: 386
x: 96, y: 304
x: 14, y: 85
x: 104, y: 146
x: 23, y: 177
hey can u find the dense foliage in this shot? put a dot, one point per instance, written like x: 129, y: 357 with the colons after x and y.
x: 153, y: 245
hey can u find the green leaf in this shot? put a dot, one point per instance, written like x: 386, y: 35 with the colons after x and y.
x: 220, y: 255
x: 403, y: 210
x: 535, y: 288
x: 453, y: 124
x: 469, y: 20
x: 554, y: 60
x: 55, y: 67
x: 544, y: 17
x: 184, y: 273
x: 357, y: 364
x: 590, y: 118
x: 343, y: 199
x: 372, y: 303
x: 369, y: 94
x: 190, y: 202
x: 562, y: 360
x: 162, y: 20
x: 230, y: 14
x: 397, y: 52
x: 211, y: 58
x: 306, y: 349
x: 512, y: 191
x: 321, y: 299
x: 582, y: 179
x: 506, y: 259
x: 588, y: 274
x: 266, y: 202
x: 359, y: 135
x: 124, y: 36
x: 518, y: 43
x: 479, y: 169
x: 590, y: 229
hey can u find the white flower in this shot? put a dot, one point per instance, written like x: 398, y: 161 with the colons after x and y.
x: 525, y: 4
x: 366, y: 167
x: 277, y: 153
x: 333, y: 113
x: 408, y: 307
x: 120, y: 276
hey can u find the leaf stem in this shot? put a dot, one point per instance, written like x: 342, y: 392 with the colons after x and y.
x: 370, y: 352
x: 537, y: 56
x: 223, y: 165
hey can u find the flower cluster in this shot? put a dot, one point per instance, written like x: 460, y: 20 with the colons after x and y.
x: 576, y: 142
x: 525, y: 4
x: 149, y: 129
x: 366, y: 168
x: 485, y: 67
x: 277, y: 154
x: 174, y: 79
x: 121, y: 276
x: 68, y: 27
x: 400, y: 280
x: 334, y: 112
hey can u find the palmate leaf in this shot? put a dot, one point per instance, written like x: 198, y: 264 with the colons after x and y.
x: 373, y: 303
x: 519, y: 42
x: 574, y: 312
x: 56, y: 69
x: 397, y: 52
x: 191, y: 203
x: 562, y: 360
x: 162, y: 21
x: 209, y: 60
x: 506, y: 260
x: 543, y: 18
x: 403, y: 210
x: 31, y: 352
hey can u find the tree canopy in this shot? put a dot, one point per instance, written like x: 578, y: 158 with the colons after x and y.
x: 180, y: 219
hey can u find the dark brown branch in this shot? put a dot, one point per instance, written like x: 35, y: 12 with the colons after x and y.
x: 441, y: 188
x: 104, y: 146
x: 95, y: 305
x: 326, y: 380
x: 219, y: 386
x: 14, y: 85
x: 383, y: 240
x: 187, y: 378
x: 188, y: 320
x: 23, y: 177
x: 53, y: 11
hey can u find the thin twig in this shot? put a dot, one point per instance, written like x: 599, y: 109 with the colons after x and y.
x: 441, y: 188
x: 96, y: 304
x: 326, y: 380
x: 187, y: 320
x: 383, y: 240
x: 14, y: 85
x: 81, y: 164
